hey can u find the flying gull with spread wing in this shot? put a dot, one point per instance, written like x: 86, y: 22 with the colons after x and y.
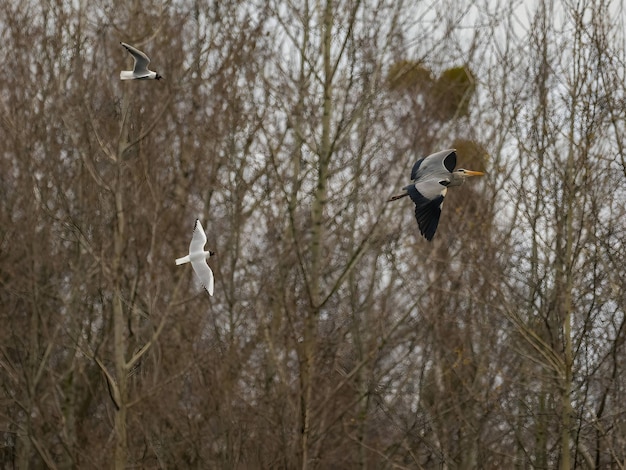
x: 197, y: 257
x: 140, y: 70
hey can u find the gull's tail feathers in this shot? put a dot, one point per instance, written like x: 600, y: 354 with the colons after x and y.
x: 183, y: 260
x: 126, y: 75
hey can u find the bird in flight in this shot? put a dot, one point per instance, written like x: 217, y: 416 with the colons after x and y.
x: 432, y: 176
x: 197, y: 257
x: 140, y: 71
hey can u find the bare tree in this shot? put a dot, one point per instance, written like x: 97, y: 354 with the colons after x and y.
x: 337, y: 336
x: 562, y: 171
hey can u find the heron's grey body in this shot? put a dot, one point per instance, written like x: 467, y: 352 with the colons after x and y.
x: 140, y: 70
x: 197, y: 257
x: 432, y: 176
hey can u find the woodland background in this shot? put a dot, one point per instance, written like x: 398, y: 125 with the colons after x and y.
x: 337, y: 336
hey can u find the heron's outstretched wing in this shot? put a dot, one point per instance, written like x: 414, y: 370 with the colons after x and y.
x: 141, y: 59
x: 205, y: 274
x: 449, y: 161
x: 415, y: 168
x: 436, y: 165
x: 427, y: 208
x: 198, y: 240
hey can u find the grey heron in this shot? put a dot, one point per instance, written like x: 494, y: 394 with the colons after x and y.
x: 432, y: 176
x: 140, y: 70
x: 197, y: 257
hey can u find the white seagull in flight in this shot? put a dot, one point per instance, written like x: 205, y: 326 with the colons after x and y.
x: 197, y: 257
x: 140, y: 71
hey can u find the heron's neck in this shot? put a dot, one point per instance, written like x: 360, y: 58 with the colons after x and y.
x: 456, y: 179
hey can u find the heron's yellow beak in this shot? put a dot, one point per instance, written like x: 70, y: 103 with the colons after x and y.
x: 473, y: 173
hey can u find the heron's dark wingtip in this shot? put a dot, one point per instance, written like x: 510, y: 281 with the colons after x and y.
x: 429, y: 236
x: 450, y: 160
x: 427, y: 212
